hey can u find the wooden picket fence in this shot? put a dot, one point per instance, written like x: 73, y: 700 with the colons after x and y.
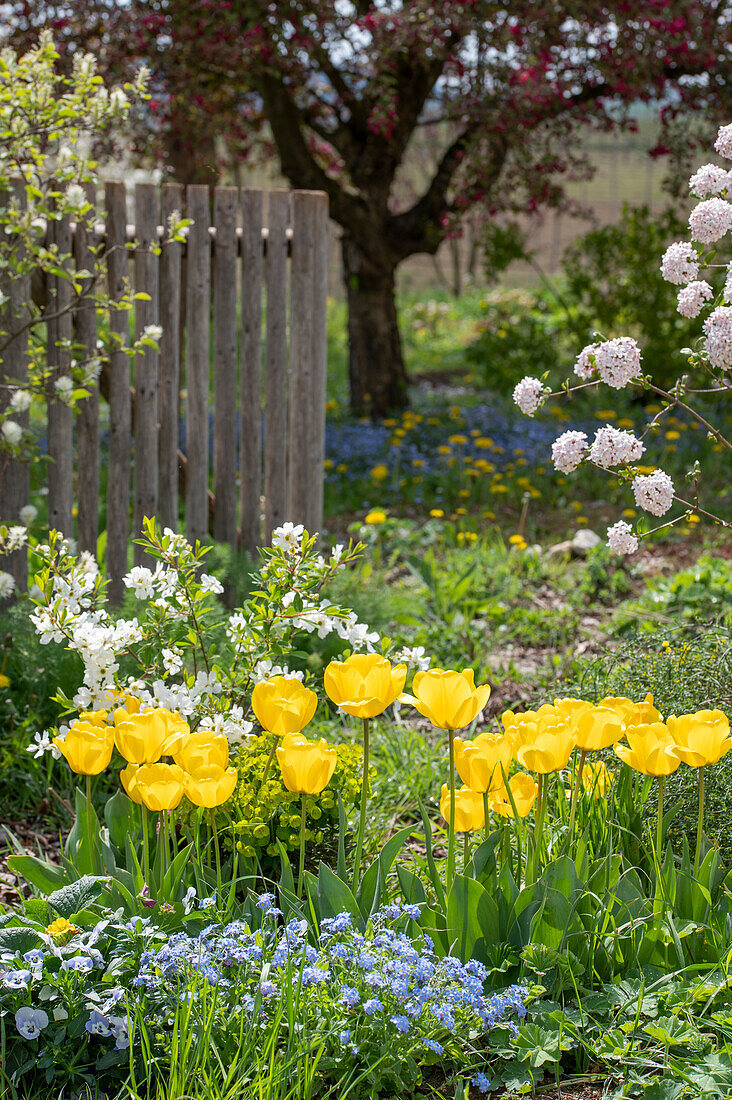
x: 242, y: 305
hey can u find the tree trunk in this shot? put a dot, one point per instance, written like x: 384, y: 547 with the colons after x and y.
x: 377, y: 376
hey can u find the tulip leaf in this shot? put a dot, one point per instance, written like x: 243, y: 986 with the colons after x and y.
x: 77, y: 895
x: 122, y: 817
x: 411, y: 885
x: 373, y: 883
x: 335, y: 897
x: 342, y: 822
x: 472, y: 918
x: 434, y: 877
x: 42, y: 875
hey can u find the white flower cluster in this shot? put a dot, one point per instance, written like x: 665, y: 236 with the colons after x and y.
x: 710, y: 220
x: 617, y: 362
x: 7, y: 585
x: 620, y: 538
x: 613, y: 447
x: 15, y: 539
x: 20, y: 401
x: 679, y: 263
x: 415, y: 657
x: 654, y: 492
x: 529, y: 394
x: 691, y: 298
x: 727, y: 292
x: 708, y: 180
x: 12, y: 432
x: 232, y: 724
x: 723, y: 144
x: 288, y: 537
x: 585, y: 366
x: 265, y: 669
x: 718, y: 331
x: 568, y: 451
x: 347, y: 627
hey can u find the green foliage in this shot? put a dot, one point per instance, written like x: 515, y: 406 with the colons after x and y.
x: 613, y: 285
x: 519, y: 333
x: 693, y: 598
x: 264, y: 815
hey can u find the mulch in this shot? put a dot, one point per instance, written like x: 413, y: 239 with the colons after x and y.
x: 580, y: 1091
x: 37, y: 838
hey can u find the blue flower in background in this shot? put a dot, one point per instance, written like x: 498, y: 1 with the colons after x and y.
x: 30, y: 1022
x: 373, y: 1005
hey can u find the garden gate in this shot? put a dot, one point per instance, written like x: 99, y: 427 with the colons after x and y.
x: 240, y: 330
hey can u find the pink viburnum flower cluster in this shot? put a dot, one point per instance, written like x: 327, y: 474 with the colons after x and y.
x: 568, y: 451
x: 654, y: 492
x: 679, y: 264
x: 529, y: 394
x: 723, y: 144
x: 617, y: 362
x: 613, y: 447
x: 620, y: 538
x: 718, y: 331
x: 709, y: 180
x: 710, y: 220
x: 691, y: 298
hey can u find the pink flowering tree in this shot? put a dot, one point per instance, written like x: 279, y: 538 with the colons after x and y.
x: 344, y: 89
x: 617, y: 363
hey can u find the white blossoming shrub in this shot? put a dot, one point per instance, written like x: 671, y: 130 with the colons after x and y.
x: 617, y: 363
x: 177, y: 651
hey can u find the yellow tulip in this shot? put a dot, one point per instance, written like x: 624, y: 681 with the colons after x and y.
x: 481, y: 762
x: 449, y: 699
x: 597, y: 778
x: 546, y: 745
x: 651, y: 749
x: 283, y: 705
x: 177, y: 731
x: 512, y: 721
x: 141, y: 738
x: 365, y: 684
x: 203, y: 749
x: 211, y: 786
x: 596, y: 728
x: 306, y: 766
x: 96, y: 717
x: 630, y: 713
x: 86, y: 747
x: 469, y: 812
x: 127, y: 708
x: 161, y: 786
x: 524, y: 789
x: 701, y: 738
x: 571, y: 708
x: 128, y: 779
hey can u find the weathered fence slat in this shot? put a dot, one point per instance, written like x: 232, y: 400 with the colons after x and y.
x: 300, y: 426
x: 224, y: 308
x: 146, y: 363
x: 275, y: 381
x: 319, y: 307
x: 169, y: 378
x: 85, y: 338
x: 250, y: 468
x: 15, y: 477
x: 120, y: 410
x: 60, y: 415
x: 198, y: 306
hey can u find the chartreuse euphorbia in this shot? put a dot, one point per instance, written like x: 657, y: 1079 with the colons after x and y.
x: 307, y: 768
x: 700, y: 739
x: 651, y: 750
x: 363, y: 685
x: 450, y: 701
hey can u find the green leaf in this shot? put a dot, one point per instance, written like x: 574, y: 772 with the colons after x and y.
x: 372, y: 885
x: 472, y: 917
x: 77, y: 895
x: 335, y: 897
x: 41, y: 874
x: 411, y: 885
x: 123, y: 819
x: 19, y: 939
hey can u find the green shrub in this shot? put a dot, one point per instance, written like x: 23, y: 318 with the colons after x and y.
x: 519, y: 333
x: 613, y: 285
x: 262, y: 815
x: 698, y: 596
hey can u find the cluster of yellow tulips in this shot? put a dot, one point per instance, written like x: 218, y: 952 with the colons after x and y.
x: 199, y: 769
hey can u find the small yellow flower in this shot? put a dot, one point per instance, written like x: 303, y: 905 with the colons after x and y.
x: 4, y: 680
x: 61, y: 930
x: 283, y: 705
x: 209, y: 787
x: 380, y: 472
x: 436, y: 513
x: 375, y: 517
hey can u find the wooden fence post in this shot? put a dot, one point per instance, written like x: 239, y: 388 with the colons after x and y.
x: 319, y: 307
x: 14, y: 476
x: 60, y: 415
x: 224, y: 309
x: 250, y: 413
x: 85, y: 323
x: 120, y: 411
x: 169, y: 382
x: 146, y: 364
x: 275, y: 380
x: 198, y: 312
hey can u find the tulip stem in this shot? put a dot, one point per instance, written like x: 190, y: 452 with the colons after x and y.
x: 538, y: 825
x: 92, y: 866
x: 700, y: 825
x: 364, y: 799
x: 268, y: 765
x: 485, y: 814
x: 163, y: 839
x: 575, y: 793
x: 658, y: 903
x: 466, y: 852
x: 302, y: 845
x: 215, y: 832
x: 450, y: 873
x: 145, y: 846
